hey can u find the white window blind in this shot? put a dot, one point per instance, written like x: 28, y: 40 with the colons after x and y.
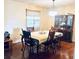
x: 33, y: 19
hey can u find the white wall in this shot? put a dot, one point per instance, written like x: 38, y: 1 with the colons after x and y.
x: 15, y: 17
x: 15, y: 13
x: 45, y: 20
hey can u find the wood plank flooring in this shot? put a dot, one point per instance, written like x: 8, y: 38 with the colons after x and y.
x: 66, y: 52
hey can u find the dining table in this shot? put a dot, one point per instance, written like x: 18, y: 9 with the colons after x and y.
x: 43, y: 35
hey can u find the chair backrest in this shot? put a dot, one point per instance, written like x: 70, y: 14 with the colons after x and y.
x: 51, y: 35
x: 26, y: 34
x: 30, y: 29
x: 27, y: 38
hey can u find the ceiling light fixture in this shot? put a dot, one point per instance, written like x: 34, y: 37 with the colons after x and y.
x: 52, y: 11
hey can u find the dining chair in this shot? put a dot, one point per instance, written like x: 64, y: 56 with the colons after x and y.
x: 28, y: 41
x: 49, y: 40
x: 56, y: 44
x: 52, y: 42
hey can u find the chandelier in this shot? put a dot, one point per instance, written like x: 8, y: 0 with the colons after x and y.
x: 52, y: 11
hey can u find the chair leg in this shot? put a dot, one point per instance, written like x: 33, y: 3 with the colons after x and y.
x: 46, y: 48
x: 30, y: 49
x: 37, y: 49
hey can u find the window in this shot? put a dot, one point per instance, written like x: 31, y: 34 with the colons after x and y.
x: 33, y: 20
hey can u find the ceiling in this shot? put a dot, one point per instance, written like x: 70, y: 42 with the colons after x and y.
x: 47, y: 3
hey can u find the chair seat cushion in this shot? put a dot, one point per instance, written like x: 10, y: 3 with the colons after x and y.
x: 32, y: 42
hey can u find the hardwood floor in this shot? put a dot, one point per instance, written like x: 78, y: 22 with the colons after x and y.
x: 66, y: 52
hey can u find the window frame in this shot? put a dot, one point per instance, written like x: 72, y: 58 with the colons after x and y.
x: 33, y: 27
